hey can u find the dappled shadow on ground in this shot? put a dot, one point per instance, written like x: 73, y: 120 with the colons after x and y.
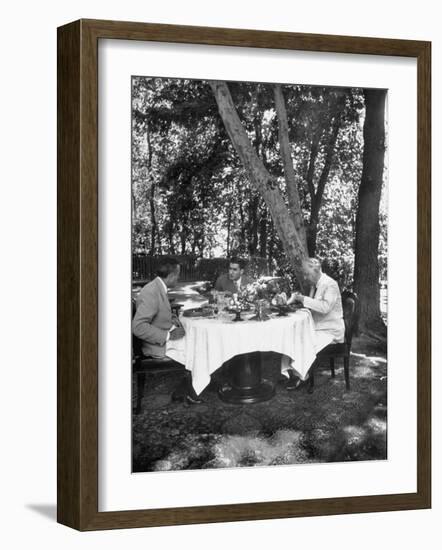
x: 331, y: 425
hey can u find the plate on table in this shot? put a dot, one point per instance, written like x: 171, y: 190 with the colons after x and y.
x: 198, y: 312
x: 285, y: 309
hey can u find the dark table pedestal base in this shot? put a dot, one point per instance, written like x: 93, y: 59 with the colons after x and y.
x: 238, y: 396
x: 245, y: 383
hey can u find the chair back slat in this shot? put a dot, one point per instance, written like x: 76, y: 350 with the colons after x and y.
x: 350, y: 304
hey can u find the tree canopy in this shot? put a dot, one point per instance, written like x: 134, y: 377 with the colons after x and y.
x: 192, y: 181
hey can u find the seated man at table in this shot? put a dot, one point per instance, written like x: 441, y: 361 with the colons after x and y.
x: 235, y: 280
x: 324, y: 302
x: 161, y: 333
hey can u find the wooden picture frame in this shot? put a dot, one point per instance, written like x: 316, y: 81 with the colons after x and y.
x: 78, y: 274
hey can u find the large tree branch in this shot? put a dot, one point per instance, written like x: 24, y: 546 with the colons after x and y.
x: 149, y: 147
x: 238, y: 136
x: 263, y: 181
x: 311, y: 164
x: 287, y: 161
x: 316, y: 203
x: 284, y: 145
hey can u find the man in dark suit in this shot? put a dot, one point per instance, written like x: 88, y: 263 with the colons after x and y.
x: 155, y: 326
x: 234, y: 281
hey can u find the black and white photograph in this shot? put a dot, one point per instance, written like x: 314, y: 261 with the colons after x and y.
x: 259, y: 274
x: 219, y: 218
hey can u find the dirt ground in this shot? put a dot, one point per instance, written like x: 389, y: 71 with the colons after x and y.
x: 330, y: 425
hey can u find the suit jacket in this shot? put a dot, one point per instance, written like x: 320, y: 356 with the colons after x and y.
x: 153, y: 318
x: 224, y: 284
x: 326, y: 307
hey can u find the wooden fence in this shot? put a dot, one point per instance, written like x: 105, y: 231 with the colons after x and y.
x: 192, y: 268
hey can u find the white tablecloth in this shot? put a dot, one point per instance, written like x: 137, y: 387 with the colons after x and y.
x: 210, y: 342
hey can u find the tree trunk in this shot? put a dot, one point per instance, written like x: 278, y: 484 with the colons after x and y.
x: 170, y: 235
x: 366, y: 272
x: 253, y: 225
x: 134, y: 206
x: 183, y: 242
x: 153, y: 218
x: 152, y: 192
x: 271, y: 250
x: 159, y: 249
x: 202, y: 245
x: 242, y: 222
x: 287, y: 161
x: 263, y: 235
x: 292, y: 241
x: 316, y: 196
x: 229, y: 223
x: 312, y: 233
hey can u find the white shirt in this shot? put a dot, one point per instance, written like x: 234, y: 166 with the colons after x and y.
x: 237, y: 283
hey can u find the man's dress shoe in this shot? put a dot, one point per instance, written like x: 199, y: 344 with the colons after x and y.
x: 297, y: 384
x: 193, y: 400
x: 293, y: 383
x: 183, y: 398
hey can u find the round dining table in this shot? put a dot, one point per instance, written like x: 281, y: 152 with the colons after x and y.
x: 213, y: 342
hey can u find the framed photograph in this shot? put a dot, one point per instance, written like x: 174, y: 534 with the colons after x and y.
x: 243, y: 275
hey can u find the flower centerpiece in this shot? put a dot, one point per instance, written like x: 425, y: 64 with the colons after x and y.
x: 259, y: 294
x: 279, y: 299
x: 267, y: 294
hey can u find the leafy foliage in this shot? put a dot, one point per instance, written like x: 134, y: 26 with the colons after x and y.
x: 190, y: 194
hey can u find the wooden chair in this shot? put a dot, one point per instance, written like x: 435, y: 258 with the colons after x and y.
x: 143, y: 366
x: 350, y: 306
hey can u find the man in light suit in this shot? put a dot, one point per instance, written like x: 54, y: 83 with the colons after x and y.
x: 154, y: 324
x: 324, y: 302
x: 234, y: 281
